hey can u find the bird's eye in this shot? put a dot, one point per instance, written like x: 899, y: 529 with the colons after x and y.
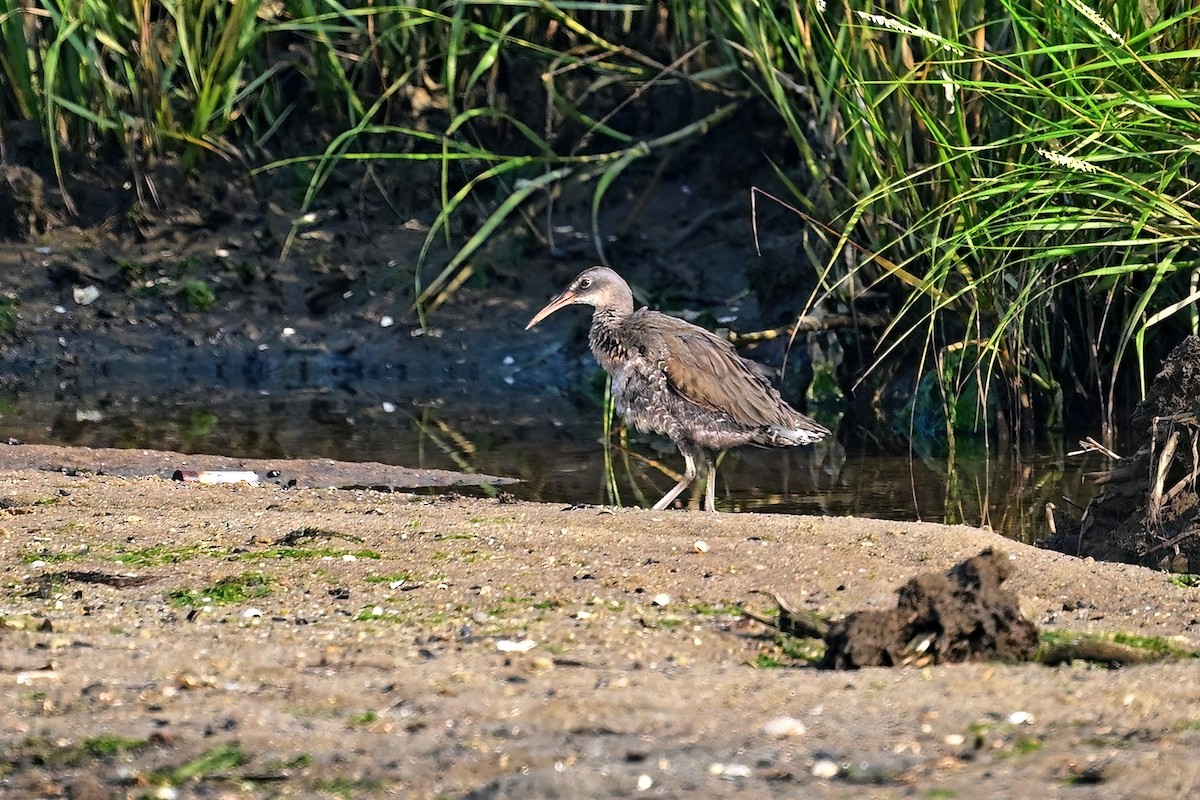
x: 585, y: 283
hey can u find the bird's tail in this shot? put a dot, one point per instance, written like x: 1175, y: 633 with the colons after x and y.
x: 803, y: 431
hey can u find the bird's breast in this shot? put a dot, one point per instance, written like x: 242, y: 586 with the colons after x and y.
x: 643, y: 399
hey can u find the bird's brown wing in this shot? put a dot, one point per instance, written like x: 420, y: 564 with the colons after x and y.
x: 707, y: 371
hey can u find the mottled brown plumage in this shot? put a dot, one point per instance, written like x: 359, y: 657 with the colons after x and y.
x: 679, y: 380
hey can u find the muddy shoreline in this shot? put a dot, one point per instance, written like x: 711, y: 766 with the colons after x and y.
x: 321, y: 642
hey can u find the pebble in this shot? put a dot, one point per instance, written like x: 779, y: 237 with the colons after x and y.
x: 701, y: 546
x: 386, y: 322
x: 825, y: 769
x: 1020, y: 718
x: 783, y: 727
x: 955, y: 739
x: 644, y: 782
x: 509, y: 646
x: 662, y: 599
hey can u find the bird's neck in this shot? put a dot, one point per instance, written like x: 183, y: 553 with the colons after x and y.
x: 607, y: 337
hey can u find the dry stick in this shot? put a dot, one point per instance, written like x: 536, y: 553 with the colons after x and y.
x: 1195, y: 455
x: 811, y: 322
x: 1190, y: 477
x: 1090, y: 445
x: 658, y: 465
x: 1179, y: 487
x: 791, y: 620
x: 1164, y: 464
x: 1173, y: 541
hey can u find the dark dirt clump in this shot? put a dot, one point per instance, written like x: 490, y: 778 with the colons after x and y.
x: 1146, y: 510
x: 963, y: 615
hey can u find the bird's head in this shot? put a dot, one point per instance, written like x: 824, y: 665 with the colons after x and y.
x: 598, y: 287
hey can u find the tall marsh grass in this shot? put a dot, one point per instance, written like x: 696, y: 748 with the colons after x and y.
x: 1018, y: 177
x: 1023, y: 176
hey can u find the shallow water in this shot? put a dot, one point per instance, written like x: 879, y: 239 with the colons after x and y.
x: 557, y: 452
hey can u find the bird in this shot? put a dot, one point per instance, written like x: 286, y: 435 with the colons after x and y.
x: 677, y: 379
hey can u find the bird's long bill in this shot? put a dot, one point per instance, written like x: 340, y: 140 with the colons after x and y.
x: 564, y: 299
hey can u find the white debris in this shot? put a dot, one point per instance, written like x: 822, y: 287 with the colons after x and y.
x: 1020, y: 718
x: 85, y: 296
x: 731, y: 770
x: 27, y: 678
x: 390, y: 408
x: 509, y: 646
x: 783, y: 727
x: 824, y: 769
x: 701, y: 546
x: 662, y: 599
x: 216, y: 476
x: 386, y: 322
x: 644, y: 782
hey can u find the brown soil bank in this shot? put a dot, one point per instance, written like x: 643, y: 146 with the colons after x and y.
x: 170, y: 639
x: 1147, y: 509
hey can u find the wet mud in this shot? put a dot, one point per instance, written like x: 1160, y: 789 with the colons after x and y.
x: 160, y: 638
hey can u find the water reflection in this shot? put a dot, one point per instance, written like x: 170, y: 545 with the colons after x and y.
x: 558, y: 452
x: 1004, y: 490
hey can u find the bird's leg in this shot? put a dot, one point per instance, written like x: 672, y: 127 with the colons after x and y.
x: 689, y: 475
x: 710, y: 490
